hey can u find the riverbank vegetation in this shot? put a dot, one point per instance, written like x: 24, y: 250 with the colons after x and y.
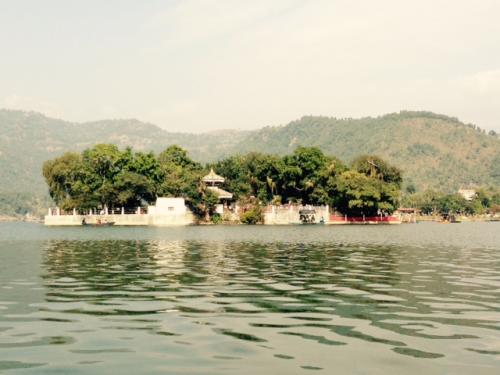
x: 432, y: 202
x: 104, y: 175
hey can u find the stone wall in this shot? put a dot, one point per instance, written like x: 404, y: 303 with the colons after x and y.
x: 121, y: 220
x: 186, y: 218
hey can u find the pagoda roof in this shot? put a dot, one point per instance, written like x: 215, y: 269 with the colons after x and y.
x: 222, y: 194
x: 213, y: 177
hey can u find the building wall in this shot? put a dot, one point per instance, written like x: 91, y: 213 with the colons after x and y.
x: 64, y: 220
x: 166, y: 212
x: 185, y: 218
x: 283, y: 215
x: 121, y: 220
x: 53, y: 220
x: 168, y: 207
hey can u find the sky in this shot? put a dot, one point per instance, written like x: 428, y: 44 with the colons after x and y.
x: 200, y: 65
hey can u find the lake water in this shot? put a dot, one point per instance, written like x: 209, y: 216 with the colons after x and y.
x: 408, y: 299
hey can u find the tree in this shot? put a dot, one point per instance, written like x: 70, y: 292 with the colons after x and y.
x: 181, y: 177
x: 104, y: 162
x: 426, y: 201
x: 106, y: 176
x: 410, y: 187
x: 301, y: 175
x: 452, y: 204
x: 132, y: 189
x: 376, y: 167
x: 326, y: 190
x: 495, y: 169
x: 252, y: 174
x: 204, y: 203
x: 70, y: 181
x: 103, y: 175
x: 360, y: 194
x: 176, y: 155
x: 252, y: 216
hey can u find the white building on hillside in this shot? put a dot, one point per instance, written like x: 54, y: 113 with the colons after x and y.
x: 468, y: 194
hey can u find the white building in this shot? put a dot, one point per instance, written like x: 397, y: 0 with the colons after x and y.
x: 168, y: 207
x: 468, y: 194
x: 166, y: 212
x: 169, y: 211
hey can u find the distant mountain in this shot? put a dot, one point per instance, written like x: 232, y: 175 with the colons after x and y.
x: 433, y: 150
x: 27, y: 139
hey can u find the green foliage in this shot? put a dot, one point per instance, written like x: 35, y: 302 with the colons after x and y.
x: 253, y: 174
x: 435, y: 151
x: 208, y: 202
x: 306, y: 176
x: 310, y: 177
x: 182, y: 178
x: 422, y: 150
x: 375, y: 167
x: 102, y: 175
x: 71, y: 182
x: 22, y: 204
x: 181, y: 175
x: 452, y: 204
x: 360, y: 194
x: 495, y: 169
x: 216, y: 218
x: 252, y: 216
x: 426, y: 201
x: 175, y: 155
x: 302, y: 174
x: 433, y: 202
x: 410, y: 187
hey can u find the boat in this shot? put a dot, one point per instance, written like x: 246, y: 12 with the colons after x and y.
x: 98, y: 223
x: 450, y: 219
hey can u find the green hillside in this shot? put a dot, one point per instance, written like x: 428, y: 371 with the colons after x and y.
x: 432, y: 150
x: 27, y: 139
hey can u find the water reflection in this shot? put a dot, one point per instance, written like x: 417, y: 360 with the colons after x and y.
x: 284, y: 298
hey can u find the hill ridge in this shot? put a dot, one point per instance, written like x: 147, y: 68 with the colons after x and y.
x: 433, y: 150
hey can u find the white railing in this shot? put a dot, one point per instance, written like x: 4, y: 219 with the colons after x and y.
x: 56, y: 211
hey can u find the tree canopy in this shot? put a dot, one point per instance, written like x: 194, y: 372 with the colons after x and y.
x: 105, y: 175
x: 431, y: 202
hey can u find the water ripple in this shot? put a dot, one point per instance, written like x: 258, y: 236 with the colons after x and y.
x: 207, y: 306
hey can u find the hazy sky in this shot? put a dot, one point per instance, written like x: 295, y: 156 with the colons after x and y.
x: 199, y: 65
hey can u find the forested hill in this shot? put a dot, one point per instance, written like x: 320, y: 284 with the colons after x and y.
x: 27, y: 139
x: 432, y: 150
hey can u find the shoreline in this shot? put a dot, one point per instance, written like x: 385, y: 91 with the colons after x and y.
x: 463, y: 219
x: 18, y: 219
x: 14, y: 219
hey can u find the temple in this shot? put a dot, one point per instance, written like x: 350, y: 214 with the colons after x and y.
x: 213, y: 182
